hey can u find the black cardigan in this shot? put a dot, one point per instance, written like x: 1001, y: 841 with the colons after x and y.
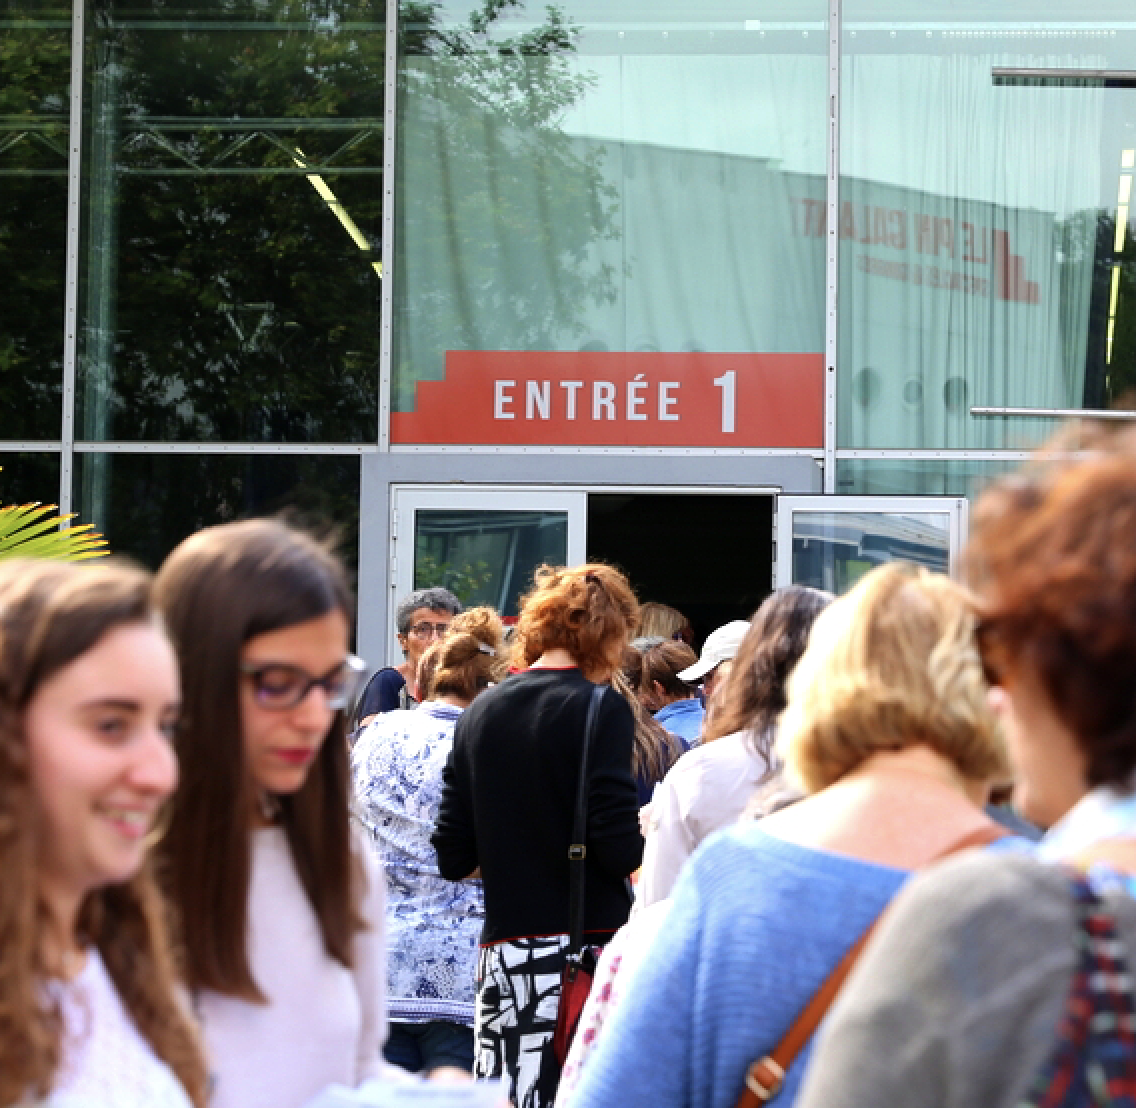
x: 509, y: 798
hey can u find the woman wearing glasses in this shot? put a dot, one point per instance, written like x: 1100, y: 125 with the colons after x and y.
x: 281, y: 911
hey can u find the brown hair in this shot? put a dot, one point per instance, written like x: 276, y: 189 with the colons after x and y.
x: 753, y: 695
x: 662, y: 664
x: 588, y: 610
x: 890, y: 665
x: 218, y: 589
x: 662, y: 621
x: 1052, y: 556
x: 50, y: 615
x: 468, y: 659
x: 654, y: 749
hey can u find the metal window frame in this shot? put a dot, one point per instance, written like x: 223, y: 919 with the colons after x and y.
x: 71, y: 279
x: 956, y: 508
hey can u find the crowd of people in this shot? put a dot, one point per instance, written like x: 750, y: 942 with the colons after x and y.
x: 786, y: 863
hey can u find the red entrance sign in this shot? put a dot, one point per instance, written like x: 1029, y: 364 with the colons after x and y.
x: 491, y: 397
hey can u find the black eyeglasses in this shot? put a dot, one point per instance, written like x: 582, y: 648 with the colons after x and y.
x: 425, y: 629
x: 279, y: 687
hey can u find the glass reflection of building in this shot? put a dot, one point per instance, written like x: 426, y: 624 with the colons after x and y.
x: 199, y: 204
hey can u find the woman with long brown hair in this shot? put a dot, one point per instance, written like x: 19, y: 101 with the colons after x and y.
x: 655, y: 749
x: 281, y: 911
x: 674, y: 704
x: 508, y: 805
x: 710, y: 787
x: 89, y: 1012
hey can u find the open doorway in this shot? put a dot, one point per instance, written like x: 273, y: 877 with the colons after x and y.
x: 709, y: 555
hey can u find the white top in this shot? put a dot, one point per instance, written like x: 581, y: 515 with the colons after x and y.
x: 106, y: 1061
x: 706, y: 789
x: 322, y: 1023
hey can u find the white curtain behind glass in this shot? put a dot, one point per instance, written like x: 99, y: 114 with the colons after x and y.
x: 933, y: 135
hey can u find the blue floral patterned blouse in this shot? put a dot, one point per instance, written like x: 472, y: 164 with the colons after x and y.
x: 433, y: 925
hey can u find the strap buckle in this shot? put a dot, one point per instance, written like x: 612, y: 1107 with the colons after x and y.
x: 577, y: 852
x: 765, y: 1078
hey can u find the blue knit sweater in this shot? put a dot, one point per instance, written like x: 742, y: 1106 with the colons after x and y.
x: 756, y: 926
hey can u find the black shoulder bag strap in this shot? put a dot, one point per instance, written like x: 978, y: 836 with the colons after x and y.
x: 577, y: 849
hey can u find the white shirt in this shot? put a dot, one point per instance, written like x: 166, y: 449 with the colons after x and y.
x: 323, y: 1023
x: 106, y: 1061
x: 704, y: 790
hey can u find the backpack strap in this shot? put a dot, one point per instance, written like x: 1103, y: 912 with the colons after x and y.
x: 765, y: 1077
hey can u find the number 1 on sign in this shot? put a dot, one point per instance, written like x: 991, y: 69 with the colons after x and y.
x: 728, y: 383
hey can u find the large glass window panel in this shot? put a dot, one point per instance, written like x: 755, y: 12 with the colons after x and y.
x: 231, y: 276
x: 833, y: 550
x: 29, y: 478
x: 486, y: 557
x: 987, y: 255
x: 908, y: 477
x: 35, y: 79
x: 147, y: 503
x: 604, y: 176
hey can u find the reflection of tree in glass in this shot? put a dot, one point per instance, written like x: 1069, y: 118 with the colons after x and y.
x: 499, y: 210
x: 35, y: 60
x: 241, y: 309
x: 466, y: 580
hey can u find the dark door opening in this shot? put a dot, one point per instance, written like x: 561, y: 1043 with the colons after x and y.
x: 710, y: 556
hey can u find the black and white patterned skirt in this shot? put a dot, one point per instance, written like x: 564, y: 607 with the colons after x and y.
x: 518, y: 992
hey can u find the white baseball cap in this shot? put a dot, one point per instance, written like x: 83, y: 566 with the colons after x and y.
x: 721, y: 645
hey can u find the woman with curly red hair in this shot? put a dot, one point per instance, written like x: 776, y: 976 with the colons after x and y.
x: 89, y: 699
x: 507, y: 811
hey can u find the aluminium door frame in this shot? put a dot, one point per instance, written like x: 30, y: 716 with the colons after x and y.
x: 956, y: 508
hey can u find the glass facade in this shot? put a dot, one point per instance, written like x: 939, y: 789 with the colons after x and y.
x: 599, y: 177
x: 232, y: 219
x: 35, y: 77
x: 154, y: 500
x: 987, y: 259
x: 194, y: 320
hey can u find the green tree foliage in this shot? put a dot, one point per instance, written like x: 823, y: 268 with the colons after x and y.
x: 235, y: 305
x: 35, y: 58
x: 500, y: 210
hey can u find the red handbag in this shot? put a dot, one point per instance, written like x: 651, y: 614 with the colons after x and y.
x: 580, y: 964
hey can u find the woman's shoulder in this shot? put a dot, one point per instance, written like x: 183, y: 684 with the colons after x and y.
x: 740, y: 855
x: 997, y: 894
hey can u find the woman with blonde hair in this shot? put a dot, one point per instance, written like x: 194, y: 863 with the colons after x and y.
x: 433, y: 924
x: 888, y: 730
x: 281, y: 907
x: 89, y: 700
x: 508, y: 807
x: 663, y: 622
x: 1007, y: 981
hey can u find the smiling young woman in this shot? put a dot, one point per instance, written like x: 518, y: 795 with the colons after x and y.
x: 89, y: 698
x: 282, y: 922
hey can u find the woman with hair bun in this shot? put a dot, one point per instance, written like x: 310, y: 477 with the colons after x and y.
x: 433, y: 924
x: 507, y: 811
x: 89, y: 700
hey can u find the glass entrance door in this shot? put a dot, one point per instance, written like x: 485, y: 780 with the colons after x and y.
x: 480, y: 542
x: 830, y: 542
